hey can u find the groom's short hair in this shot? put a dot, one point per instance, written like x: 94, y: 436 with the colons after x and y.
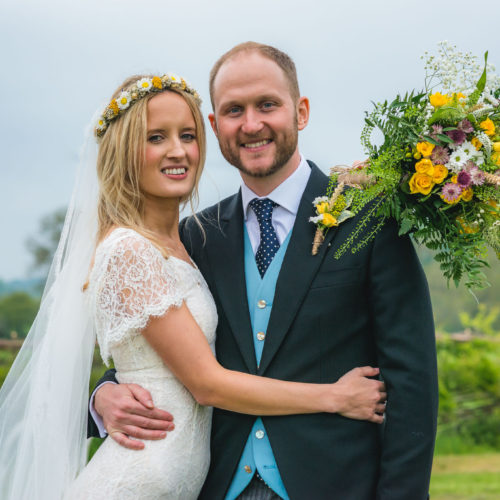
x: 284, y: 61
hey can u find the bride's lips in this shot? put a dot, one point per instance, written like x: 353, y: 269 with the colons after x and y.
x: 177, y: 172
x: 256, y: 146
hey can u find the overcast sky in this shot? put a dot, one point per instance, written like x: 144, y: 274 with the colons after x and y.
x: 61, y: 61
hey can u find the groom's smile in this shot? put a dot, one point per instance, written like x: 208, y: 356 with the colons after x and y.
x: 256, y: 119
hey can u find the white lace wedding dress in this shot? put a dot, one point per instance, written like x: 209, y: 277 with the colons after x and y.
x: 129, y: 283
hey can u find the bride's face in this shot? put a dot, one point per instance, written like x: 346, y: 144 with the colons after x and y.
x: 172, y: 152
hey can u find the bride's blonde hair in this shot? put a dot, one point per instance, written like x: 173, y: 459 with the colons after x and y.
x: 120, y: 159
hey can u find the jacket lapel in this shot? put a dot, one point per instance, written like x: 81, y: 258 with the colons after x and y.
x: 298, y: 269
x: 227, y: 259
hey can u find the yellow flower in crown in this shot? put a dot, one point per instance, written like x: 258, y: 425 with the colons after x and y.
x: 156, y: 81
x: 113, y: 106
x: 440, y: 174
x: 467, y: 194
x: 322, y: 207
x: 425, y: 148
x: 144, y: 84
x: 421, y: 183
x: 123, y: 100
x: 477, y: 143
x: 488, y: 126
x: 438, y: 99
x: 425, y: 166
x: 329, y: 220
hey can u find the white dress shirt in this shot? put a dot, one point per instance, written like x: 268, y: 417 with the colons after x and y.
x: 287, y: 195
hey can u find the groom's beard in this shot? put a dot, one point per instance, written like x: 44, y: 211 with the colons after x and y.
x: 285, y: 145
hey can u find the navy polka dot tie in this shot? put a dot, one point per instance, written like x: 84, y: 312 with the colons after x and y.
x: 269, y: 243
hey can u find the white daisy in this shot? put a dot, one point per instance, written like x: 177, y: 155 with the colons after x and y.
x: 144, y: 84
x: 458, y: 159
x: 320, y: 199
x: 123, y: 100
x: 316, y: 219
x: 101, y: 124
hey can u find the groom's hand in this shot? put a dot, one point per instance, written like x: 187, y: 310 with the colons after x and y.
x: 127, y: 411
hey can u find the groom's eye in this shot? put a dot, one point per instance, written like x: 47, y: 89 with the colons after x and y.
x: 234, y: 110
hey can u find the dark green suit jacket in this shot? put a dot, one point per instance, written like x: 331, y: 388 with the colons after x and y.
x: 328, y: 316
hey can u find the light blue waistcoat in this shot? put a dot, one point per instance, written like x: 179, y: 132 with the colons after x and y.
x: 258, y: 454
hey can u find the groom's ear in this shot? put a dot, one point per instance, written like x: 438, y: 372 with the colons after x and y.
x: 213, y: 123
x: 302, y: 113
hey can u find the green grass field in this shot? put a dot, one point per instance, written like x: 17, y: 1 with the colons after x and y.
x: 466, y: 477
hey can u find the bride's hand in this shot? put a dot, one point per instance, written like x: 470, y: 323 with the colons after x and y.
x: 359, y: 397
x: 127, y: 412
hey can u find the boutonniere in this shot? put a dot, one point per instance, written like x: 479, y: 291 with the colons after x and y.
x: 330, y: 212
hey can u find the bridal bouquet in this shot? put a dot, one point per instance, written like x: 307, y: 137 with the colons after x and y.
x: 437, y: 171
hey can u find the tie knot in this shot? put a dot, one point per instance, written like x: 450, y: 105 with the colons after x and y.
x: 263, y: 208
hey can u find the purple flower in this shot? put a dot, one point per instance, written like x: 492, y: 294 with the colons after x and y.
x: 466, y: 126
x: 440, y: 155
x: 436, y: 129
x: 464, y: 179
x: 476, y: 175
x: 451, y: 192
x: 457, y: 136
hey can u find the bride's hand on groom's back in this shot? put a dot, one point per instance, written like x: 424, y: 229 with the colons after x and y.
x: 129, y: 414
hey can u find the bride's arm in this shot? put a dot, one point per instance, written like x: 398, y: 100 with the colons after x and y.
x: 179, y: 341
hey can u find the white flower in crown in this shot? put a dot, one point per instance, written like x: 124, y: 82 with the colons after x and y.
x: 144, y: 84
x: 175, y: 78
x: 123, y: 100
x: 101, y: 124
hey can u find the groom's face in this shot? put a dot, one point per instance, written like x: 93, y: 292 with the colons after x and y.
x: 255, y: 118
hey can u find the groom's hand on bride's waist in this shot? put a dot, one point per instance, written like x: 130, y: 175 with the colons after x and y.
x: 128, y: 414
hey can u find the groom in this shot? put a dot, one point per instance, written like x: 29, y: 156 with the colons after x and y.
x: 286, y: 314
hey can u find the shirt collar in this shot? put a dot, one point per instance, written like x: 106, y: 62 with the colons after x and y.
x: 288, y: 194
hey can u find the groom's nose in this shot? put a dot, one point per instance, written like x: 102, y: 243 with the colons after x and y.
x: 252, y: 123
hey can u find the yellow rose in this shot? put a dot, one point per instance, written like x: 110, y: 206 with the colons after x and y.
x: 425, y: 167
x: 438, y: 99
x: 440, y: 174
x: 467, y: 194
x: 496, y: 158
x: 322, y: 207
x: 477, y: 143
x: 488, y: 126
x: 496, y: 147
x: 425, y: 148
x: 421, y: 183
x: 329, y: 220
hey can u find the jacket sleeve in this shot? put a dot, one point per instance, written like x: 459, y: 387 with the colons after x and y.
x: 92, y: 429
x: 406, y: 351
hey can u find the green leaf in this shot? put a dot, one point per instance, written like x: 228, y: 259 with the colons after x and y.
x: 481, y: 84
x: 447, y: 129
x: 406, y: 225
x: 432, y: 141
x: 445, y: 138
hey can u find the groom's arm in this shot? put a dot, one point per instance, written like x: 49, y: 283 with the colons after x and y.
x: 406, y: 351
x: 128, y: 411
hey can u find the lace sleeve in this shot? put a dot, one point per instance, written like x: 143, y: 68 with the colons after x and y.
x: 134, y: 282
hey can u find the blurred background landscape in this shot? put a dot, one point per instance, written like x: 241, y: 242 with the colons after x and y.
x: 62, y: 60
x: 468, y: 342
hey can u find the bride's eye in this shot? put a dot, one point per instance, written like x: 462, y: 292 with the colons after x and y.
x: 155, y: 138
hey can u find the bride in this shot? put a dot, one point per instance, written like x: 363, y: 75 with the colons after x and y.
x: 122, y: 273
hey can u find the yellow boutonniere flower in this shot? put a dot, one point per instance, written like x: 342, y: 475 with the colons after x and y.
x: 322, y: 207
x: 329, y: 220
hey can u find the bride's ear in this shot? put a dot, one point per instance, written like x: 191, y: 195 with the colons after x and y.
x: 213, y: 123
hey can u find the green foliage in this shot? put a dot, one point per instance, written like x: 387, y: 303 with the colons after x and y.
x: 469, y: 390
x: 483, y: 321
x: 17, y: 312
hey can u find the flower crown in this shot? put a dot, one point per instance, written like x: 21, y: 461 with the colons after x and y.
x: 137, y: 91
